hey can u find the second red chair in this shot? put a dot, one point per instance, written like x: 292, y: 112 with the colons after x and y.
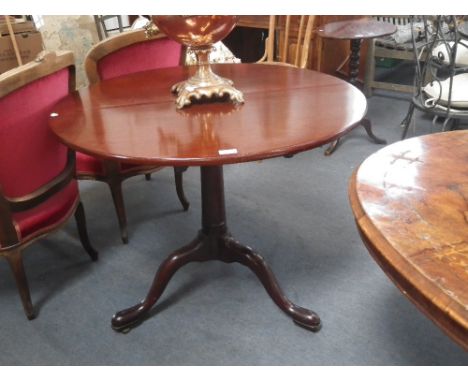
x: 126, y: 53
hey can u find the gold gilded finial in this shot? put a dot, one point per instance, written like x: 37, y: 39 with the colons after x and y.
x: 150, y: 29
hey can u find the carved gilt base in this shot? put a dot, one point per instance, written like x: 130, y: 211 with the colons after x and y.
x: 211, y: 87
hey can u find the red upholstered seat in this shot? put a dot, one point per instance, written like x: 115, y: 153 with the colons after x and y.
x: 86, y: 164
x: 53, y: 211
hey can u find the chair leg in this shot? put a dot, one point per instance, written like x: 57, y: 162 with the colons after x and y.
x: 83, y: 231
x: 178, y: 171
x: 332, y: 147
x: 407, y: 120
x: 148, y: 176
x: 15, y: 260
x: 117, y: 196
x: 455, y: 124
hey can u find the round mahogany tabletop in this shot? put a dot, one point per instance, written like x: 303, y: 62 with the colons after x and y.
x: 134, y: 118
x: 410, y: 201
x: 356, y: 29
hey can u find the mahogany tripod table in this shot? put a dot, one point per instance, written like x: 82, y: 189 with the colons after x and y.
x: 134, y: 119
x: 356, y: 31
x: 410, y: 201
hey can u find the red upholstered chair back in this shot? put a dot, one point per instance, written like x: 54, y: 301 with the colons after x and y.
x: 139, y: 57
x: 126, y: 53
x: 30, y: 155
x: 131, y: 52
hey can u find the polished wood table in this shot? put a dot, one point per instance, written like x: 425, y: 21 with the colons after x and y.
x: 134, y: 119
x: 356, y: 31
x: 410, y: 201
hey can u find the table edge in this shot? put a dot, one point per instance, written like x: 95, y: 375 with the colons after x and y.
x: 447, y: 314
x: 225, y: 160
x: 218, y: 161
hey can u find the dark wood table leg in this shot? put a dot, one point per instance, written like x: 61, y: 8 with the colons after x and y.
x: 366, y: 123
x: 405, y: 124
x: 332, y: 147
x: 214, y: 243
x: 354, y: 59
x: 233, y: 251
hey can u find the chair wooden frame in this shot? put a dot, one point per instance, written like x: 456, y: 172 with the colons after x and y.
x: 11, y: 244
x: 277, y: 50
x: 302, y: 35
x: 112, y: 176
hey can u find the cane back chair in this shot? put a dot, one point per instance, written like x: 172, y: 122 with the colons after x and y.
x: 38, y: 190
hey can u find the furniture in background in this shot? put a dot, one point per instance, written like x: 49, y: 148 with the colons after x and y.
x: 38, y: 191
x: 128, y: 52
x: 355, y: 31
x: 109, y: 24
x: 247, y: 40
x: 291, y: 47
x: 463, y: 28
x: 20, y: 42
x: 287, y: 110
x: 410, y: 205
x: 398, y: 46
x: 441, y: 74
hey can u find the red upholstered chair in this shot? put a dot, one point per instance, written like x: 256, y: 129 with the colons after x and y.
x: 128, y: 52
x: 38, y: 191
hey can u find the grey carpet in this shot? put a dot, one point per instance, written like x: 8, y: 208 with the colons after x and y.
x: 293, y: 211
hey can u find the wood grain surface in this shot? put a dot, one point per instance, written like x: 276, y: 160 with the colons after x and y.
x: 410, y: 201
x: 134, y: 119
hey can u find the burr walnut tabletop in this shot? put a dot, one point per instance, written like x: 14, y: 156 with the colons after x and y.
x: 134, y: 119
x: 410, y: 201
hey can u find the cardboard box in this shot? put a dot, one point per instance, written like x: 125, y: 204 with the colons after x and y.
x: 29, y: 45
x: 18, y: 27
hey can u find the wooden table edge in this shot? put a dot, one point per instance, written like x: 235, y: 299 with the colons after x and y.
x: 213, y: 161
x: 322, y: 34
x: 444, y: 312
